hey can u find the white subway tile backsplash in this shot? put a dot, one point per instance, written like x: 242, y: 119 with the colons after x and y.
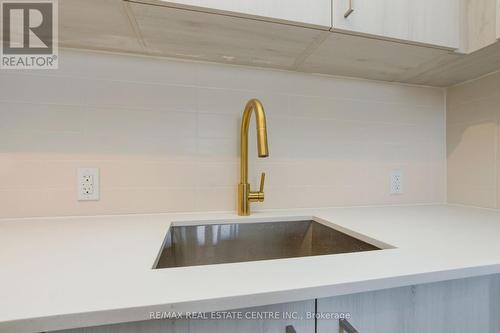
x: 219, y: 126
x: 474, y: 111
x: 216, y: 100
x: 36, y: 174
x: 210, y: 174
x: 498, y: 198
x: 83, y: 64
x: 282, y: 82
x: 15, y: 203
x: 473, y: 196
x: 223, y: 148
x: 165, y: 135
x: 485, y: 87
x: 112, y: 201
x: 473, y: 140
x: 230, y: 101
x: 230, y: 77
x: 360, y: 111
x: 140, y: 95
x: 471, y: 155
x: 16, y: 174
x: 42, y: 142
x: 133, y: 174
x: 42, y: 89
x: 20, y: 116
x: 216, y: 198
x: 140, y: 124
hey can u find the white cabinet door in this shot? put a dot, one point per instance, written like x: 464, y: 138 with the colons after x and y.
x: 424, y: 21
x: 313, y: 13
x: 435, y: 22
x: 385, y: 18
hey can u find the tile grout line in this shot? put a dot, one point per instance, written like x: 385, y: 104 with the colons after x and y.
x: 445, y: 148
x: 496, y: 164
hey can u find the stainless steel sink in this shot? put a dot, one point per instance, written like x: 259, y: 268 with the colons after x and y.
x: 238, y: 242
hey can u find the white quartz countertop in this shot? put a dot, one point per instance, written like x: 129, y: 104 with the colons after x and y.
x: 58, y: 273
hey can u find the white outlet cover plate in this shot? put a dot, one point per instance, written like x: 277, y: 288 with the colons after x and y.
x: 87, y: 191
x: 397, y: 182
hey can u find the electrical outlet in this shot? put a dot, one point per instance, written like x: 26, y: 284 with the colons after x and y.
x: 397, y: 182
x: 88, y: 184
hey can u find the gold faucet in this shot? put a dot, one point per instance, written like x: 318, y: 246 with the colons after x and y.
x: 245, y: 195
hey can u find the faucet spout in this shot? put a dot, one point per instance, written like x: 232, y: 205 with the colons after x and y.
x: 245, y: 196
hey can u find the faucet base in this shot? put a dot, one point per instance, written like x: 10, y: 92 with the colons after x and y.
x: 243, y: 203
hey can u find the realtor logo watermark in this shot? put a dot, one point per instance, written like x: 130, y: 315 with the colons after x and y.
x: 29, y: 34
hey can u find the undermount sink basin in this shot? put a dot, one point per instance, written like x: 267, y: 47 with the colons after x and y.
x: 192, y: 245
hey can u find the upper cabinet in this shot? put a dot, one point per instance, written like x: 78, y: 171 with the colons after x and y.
x: 429, y: 22
x: 479, y: 24
x: 313, y: 13
x: 410, y: 41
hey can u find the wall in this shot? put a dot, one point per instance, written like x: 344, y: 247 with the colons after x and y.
x: 473, y: 121
x: 498, y: 18
x: 165, y: 137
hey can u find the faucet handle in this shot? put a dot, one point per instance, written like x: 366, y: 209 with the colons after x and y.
x: 258, y: 196
x: 262, y: 180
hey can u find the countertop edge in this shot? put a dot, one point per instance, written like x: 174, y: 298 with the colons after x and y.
x: 142, y: 313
